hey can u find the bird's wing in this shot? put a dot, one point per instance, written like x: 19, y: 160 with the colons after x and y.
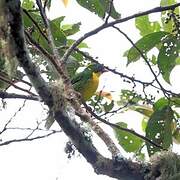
x: 80, y: 80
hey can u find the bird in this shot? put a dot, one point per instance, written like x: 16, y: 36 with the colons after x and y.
x: 87, y: 81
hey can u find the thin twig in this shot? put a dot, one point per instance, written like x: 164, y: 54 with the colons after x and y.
x: 45, y: 4
x: 109, y: 11
x: 34, y: 130
x: 145, y: 59
x: 8, y: 81
x: 31, y: 129
x: 36, y: 24
x: 38, y: 46
x: 27, y: 139
x: 14, y: 78
x: 101, y: 165
x: 56, y: 60
x: 110, y: 24
x: 42, y: 12
x: 121, y: 128
x: 10, y: 120
x: 132, y: 79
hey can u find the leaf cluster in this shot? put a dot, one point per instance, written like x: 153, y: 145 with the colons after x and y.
x: 160, y: 122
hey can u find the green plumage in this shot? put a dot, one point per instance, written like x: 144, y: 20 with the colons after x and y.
x: 81, y: 79
x: 86, y: 82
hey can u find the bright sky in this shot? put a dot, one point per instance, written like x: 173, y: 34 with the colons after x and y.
x: 45, y: 159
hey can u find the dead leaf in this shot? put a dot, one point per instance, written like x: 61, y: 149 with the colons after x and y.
x: 65, y: 2
x: 105, y: 94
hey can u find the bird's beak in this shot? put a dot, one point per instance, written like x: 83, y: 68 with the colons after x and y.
x: 104, y: 70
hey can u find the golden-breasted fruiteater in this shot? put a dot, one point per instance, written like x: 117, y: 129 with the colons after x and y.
x: 87, y: 81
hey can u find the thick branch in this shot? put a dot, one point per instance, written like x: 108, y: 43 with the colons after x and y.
x: 62, y: 72
x: 18, y: 47
x: 97, y: 129
x: 124, y: 169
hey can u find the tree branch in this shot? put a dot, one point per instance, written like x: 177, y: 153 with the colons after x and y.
x: 6, y: 95
x: 145, y: 59
x: 11, y: 119
x: 118, y: 169
x: 132, y: 79
x: 110, y: 24
x: 35, y: 23
x: 109, y: 10
x: 27, y: 139
x: 11, y: 83
x: 62, y: 72
x: 121, y: 128
x: 38, y: 46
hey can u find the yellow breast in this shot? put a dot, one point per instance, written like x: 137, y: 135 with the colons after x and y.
x: 91, y: 87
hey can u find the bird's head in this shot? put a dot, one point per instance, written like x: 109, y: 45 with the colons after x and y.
x: 97, y: 68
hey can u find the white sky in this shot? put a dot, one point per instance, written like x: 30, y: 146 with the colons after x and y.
x: 44, y: 159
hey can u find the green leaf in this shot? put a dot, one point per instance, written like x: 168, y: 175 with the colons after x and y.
x: 168, y: 27
x: 33, y: 30
x: 70, y: 29
x: 28, y: 4
x: 158, y: 129
x: 175, y: 101
x: 93, y: 6
x: 128, y: 141
x: 99, y: 7
x: 145, y: 26
x: 72, y: 65
x: 58, y: 35
x: 145, y: 110
x: 160, y: 103
x: 79, y: 57
x: 144, y: 124
x: 145, y: 44
x: 176, y: 136
x: 28, y: 22
x: 129, y: 97
x: 81, y: 45
x: 48, y: 4
x: 108, y: 107
x: 167, y: 56
x: 167, y: 2
x: 58, y: 21
x: 114, y: 14
x: 154, y: 59
x: 178, y: 61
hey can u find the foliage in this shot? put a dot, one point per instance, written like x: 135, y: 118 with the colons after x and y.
x: 161, y: 113
x: 129, y: 142
x: 99, y: 7
x: 159, y: 128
